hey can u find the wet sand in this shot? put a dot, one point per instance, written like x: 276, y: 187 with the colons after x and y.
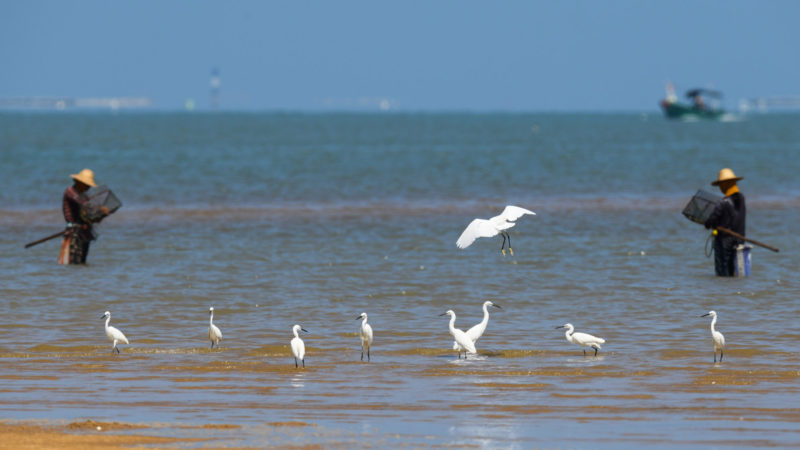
x: 83, y: 435
x: 238, y: 398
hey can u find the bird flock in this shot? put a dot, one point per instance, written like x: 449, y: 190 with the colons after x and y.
x: 463, y: 341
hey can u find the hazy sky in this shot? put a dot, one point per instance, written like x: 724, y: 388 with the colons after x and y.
x: 433, y: 55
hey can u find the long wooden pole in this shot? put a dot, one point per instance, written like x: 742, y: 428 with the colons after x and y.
x: 735, y: 234
x: 52, y: 236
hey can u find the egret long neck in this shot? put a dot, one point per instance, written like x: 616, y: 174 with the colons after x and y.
x: 108, y: 319
x: 452, y: 324
x: 568, y: 333
x: 485, y: 320
x: 713, y: 322
x: 211, y: 317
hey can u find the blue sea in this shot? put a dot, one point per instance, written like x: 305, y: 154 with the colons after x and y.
x: 277, y: 219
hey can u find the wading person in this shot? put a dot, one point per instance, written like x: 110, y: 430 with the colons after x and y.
x: 729, y: 213
x: 79, y: 234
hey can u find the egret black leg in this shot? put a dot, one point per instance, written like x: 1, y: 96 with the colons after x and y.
x: 362, y: 353
x: 368, y: 358
x: 295, y: 363
x: 584, y: 352
x: 509, y: 245
x: 720, y: 356
x: 304, y: 363
x: 503, y: 245
x: 595, y: 352
x: 715, y: 356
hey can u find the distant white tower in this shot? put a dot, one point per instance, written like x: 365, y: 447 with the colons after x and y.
x: 214, y: 85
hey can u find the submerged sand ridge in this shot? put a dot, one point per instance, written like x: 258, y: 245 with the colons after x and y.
x: 196, y: 386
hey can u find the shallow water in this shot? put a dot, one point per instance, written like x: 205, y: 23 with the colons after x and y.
x: 282, y: 219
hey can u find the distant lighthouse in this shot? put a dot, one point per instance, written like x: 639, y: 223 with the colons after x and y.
x: 214, y: 85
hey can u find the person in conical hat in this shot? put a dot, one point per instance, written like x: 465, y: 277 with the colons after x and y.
x: 730, y: 213
x: 79, y: 234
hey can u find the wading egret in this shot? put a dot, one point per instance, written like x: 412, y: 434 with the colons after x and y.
x: 298, y: 347
x: 114, y: 335
x: 365, y: 332
x: 582, y: 339
x: 716, y: 336
x: 477, y: 331
x: 492, y: 227
x: 213, y: 332
x: 464, y: 343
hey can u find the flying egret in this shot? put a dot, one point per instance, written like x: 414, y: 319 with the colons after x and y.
x: 464, y: 343
x: 213, y: 332
x: 716, y: 336
x: 477, y: 331
x: 298, y: 347
x: 114, y: 335
x: 492, y: 227
x: 365, y: 332
x: 582, y: 339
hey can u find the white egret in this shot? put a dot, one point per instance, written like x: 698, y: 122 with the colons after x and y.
x: 582, y: 339
x: 464, y: 343
x: 213, y: 332
x: 716, y: 336
x: 477, y: 331
x: 365, y: 333
x: 492, y: 227
x: 114, y: 335
x: 298, y: 347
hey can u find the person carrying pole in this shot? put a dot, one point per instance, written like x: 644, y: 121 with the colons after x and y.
x: 729, y: 214
x: 79, y: 233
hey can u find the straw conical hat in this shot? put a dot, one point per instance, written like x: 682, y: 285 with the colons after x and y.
x: 725, y: 175
x: 85, y: 176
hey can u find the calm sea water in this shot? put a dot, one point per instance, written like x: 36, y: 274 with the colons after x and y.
x: 277, y: 219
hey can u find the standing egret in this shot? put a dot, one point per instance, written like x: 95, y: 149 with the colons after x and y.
x: 365, y: 332
x: 492, y: 227
x: 477, y: 331
x: 114, y: 335
x: 464, y: 343
x: 298, y: 347
x: 213, y: 332
x: 716, y: 336
x: 582, y: 339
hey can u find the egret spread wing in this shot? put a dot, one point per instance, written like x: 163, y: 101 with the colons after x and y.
x: 477, y: 228
x: 512, y: 213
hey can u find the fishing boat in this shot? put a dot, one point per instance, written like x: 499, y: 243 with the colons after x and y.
x: 696, y: 109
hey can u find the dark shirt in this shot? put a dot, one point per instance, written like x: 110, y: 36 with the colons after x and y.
x: 74, y: 205
x: 730, y: 213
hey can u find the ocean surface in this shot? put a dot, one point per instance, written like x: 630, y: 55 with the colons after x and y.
x: 281, y: 219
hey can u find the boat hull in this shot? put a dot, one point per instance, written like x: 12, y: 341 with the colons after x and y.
x: 681, y: 111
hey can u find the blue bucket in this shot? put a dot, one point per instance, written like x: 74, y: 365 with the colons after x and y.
x: 743, y: 260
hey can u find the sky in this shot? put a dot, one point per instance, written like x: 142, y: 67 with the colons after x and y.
x: 410, y: 55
